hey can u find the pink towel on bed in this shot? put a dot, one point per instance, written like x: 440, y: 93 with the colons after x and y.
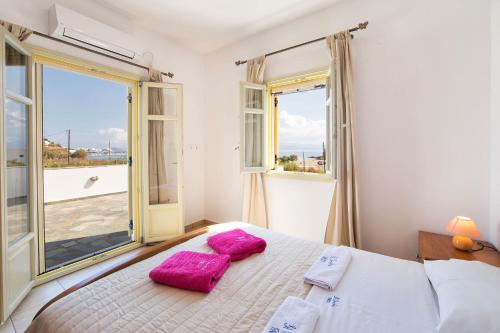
x: 237, y: 243
x: 191, y: 270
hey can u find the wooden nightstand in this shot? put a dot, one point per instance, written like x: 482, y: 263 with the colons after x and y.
x: 433, y: 246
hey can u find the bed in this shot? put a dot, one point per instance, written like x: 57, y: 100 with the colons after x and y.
x: 247, y: 295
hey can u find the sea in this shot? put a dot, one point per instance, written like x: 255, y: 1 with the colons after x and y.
x: 308, y: 154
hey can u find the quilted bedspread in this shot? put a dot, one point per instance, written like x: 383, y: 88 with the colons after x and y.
x: 243, y: 300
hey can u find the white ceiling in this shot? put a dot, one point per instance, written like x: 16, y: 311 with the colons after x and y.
x: 207, y: 25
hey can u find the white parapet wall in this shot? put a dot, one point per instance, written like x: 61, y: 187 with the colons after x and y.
x: 16, y: 182
x: 72, y: 183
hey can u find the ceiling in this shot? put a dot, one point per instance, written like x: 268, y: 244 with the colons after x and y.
x: 207, y: 25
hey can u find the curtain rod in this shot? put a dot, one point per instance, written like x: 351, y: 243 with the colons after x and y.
x: 169, y: 74
x: 360, y: 26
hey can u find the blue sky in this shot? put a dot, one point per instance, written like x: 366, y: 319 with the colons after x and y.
x: 94, y: 109
x: 302, y: 121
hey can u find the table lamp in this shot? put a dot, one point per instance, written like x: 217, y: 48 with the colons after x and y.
x: 463, y: 228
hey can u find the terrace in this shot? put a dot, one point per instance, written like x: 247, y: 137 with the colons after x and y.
x: 80, y: 227
x: 86, y: 210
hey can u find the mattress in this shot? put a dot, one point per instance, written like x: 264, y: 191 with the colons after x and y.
x: 243, y: 300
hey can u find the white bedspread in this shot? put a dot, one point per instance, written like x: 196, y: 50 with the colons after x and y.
x: 243, y: 300
x: 377, y: 294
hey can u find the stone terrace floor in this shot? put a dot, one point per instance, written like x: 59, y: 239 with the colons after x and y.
x: 79, y: 228
x: 86, y: 217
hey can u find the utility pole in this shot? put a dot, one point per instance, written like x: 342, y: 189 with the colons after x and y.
x: 69, y: 143
x: 109, y: 149
x: 304, y: 161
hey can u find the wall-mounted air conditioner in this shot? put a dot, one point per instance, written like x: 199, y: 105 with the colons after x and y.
x: 67, y: 24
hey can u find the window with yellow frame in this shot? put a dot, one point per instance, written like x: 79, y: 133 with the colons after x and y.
x: 299, y: 125
x: 77, y: 159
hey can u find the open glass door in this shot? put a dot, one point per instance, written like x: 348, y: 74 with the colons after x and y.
x: 162, y: 161
x: 84, y: 134
x: 18, y: 241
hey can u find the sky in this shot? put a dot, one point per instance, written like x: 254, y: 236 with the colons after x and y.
x: 94, y: 109
x: 302, y: 125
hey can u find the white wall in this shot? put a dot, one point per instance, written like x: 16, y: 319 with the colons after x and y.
x: 73, y: 183
x: 16, y: 182
x: 422, y: 95
x: 287, y: 211
x: 168, y: 56
x: 495, y: 123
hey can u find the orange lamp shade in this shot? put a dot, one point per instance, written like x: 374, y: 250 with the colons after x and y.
x: 463, y: 226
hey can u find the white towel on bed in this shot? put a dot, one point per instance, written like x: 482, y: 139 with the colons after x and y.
x: 328, y: 269
x: 293, y: 315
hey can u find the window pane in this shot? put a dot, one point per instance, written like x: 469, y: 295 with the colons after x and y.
x: 16, y: 71
x: 162, y: 101
x: 163, y: 163
x: 253, y: 98
x: 16, y: 134
x: 254, y: 131
x: 302, y: 131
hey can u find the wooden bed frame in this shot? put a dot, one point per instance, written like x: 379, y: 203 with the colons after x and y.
x: 145, y: 253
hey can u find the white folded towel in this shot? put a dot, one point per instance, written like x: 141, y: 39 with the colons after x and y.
x: 293, y: 315
x: 327, y: 271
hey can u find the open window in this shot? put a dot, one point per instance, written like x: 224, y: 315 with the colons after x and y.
x: 253, y: 127
x: 300, y: 126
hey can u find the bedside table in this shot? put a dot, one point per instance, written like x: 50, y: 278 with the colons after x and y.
x: 432, y: 246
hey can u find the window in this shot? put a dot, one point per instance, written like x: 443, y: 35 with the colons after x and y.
x: 253, y: 127
x: 299, y: 115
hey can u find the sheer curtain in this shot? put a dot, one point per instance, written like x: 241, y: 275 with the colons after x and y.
x: 158, y: 193
x: 343, y: 219
x: 254, y: 203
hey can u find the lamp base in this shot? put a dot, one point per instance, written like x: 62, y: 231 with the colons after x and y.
x: 462, y: 243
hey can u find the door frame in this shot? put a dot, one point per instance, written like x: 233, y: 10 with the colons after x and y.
x: 41, y: 57
x: 148, y: 236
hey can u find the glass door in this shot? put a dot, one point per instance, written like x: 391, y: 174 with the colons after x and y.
x: 16, y: 175
x: 162, y: 160
x: 87, y: 164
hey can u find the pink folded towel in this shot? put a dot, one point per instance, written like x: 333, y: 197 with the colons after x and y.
x: 191, y: 270
x: 237, y: 243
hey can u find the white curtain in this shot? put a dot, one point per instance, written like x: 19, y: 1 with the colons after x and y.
x: 158, y: 193
x: 343, y: 219
x: 253, y: 140
x: 254, y: 203
x: 20, y: 32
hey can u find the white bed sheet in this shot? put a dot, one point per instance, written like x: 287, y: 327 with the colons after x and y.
x: 377, y: 294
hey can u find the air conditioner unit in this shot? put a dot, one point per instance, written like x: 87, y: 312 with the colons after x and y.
x: 69, y: 25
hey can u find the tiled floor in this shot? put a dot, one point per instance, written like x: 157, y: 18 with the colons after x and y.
x: 61, y: 253
x: 23, y: 315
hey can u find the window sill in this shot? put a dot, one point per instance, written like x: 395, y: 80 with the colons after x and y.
x: 309, y: 176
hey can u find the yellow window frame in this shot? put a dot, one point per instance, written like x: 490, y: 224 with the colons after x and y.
x: 273, y: 124
x: 42, y: 57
